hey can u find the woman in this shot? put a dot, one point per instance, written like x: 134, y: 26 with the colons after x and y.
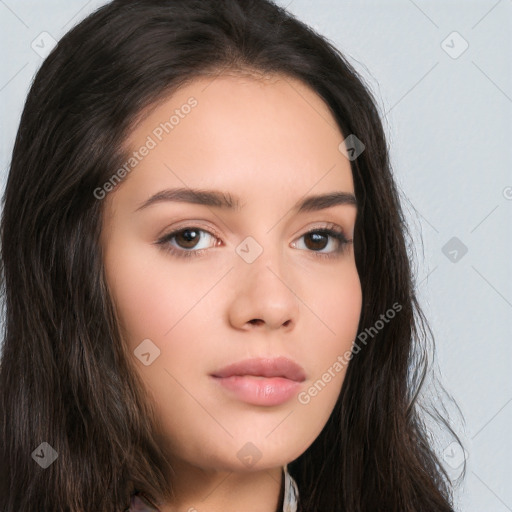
x: 272, y: 365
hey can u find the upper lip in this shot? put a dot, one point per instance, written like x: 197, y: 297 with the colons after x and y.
x: 264, y: 367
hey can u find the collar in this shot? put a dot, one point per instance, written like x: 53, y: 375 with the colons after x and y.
x: 291, y: 493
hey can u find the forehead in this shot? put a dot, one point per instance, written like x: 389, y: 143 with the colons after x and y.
x: 247, y: 133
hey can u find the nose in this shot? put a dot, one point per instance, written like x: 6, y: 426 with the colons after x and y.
x: 264, y: 294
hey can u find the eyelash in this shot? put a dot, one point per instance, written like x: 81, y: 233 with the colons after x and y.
x: 331, y: 230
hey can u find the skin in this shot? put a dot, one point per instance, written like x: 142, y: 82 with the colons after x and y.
x: 270, y: 141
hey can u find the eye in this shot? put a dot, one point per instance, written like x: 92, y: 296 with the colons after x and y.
x: 188, y: 241
x: 327, y: 242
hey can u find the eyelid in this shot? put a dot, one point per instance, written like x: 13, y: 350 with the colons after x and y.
x: 189, y: 224
x: 326, y: 226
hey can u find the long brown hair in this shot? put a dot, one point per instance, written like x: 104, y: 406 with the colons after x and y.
x: 65, y: 378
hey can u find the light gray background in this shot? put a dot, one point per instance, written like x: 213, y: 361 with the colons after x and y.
x: 449, y: 124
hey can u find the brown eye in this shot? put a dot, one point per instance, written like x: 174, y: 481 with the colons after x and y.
x: 318, y: 241
x: 187, y: 238
x: 325, y: 243
x: 184, y: 242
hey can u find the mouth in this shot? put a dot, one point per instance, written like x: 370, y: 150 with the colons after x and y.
x: 261, y: 381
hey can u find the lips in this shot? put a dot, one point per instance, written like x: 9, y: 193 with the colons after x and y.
x: 261, y: 382
x: 264, y: 367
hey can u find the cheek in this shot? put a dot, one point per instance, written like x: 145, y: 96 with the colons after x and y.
x: 342, y: 305
x: 151, y: 299
x: 332, y: 333
x: 336, y: 304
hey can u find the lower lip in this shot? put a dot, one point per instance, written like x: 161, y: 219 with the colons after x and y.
x: 259, y: 390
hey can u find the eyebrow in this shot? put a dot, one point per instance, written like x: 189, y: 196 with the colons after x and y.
x: 218, y: 199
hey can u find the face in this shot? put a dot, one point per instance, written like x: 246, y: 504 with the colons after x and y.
x: 260, y: 276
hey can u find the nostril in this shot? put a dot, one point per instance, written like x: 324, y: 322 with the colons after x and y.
x: 256, y: 321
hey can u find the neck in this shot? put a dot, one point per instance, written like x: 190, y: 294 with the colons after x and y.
x: 197, y: 490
